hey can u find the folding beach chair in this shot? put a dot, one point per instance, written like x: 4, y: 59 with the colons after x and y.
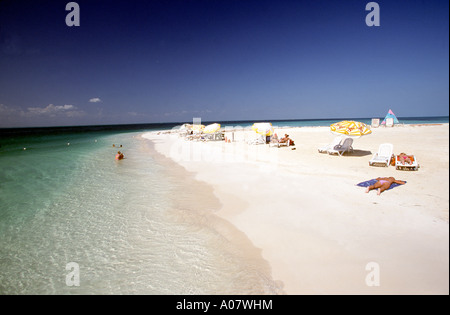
x: 344, y: 146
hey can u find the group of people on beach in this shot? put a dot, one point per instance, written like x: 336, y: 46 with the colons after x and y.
x: 285, y: 139
x: 384, y: 183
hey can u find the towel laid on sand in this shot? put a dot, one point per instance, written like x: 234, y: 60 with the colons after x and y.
x: 369, y: 182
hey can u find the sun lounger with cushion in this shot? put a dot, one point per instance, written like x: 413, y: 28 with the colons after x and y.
x: 414, y: 166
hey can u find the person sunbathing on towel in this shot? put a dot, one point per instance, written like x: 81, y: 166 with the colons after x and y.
x: 403, y: 158
x: 384, y: 183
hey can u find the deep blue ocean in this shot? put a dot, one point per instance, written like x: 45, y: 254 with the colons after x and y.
x: 65, y: 199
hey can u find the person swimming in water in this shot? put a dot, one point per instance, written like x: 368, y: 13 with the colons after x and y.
x: 119, y: 155
x: 384, y: 183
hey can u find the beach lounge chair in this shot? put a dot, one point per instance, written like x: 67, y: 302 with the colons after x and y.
x: 276, y: 143
x: 279, y: 144
x: 216, y: 136
x: 258, y: 140
x: 390, y: 122
x: 414, y: 166
x: 383, y: 156
x: 375, y: 122
x: 330, y: 146
x: 344, y: 146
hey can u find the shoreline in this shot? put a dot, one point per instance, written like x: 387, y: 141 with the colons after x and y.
x: 317, y: 230
x: 201, y: 212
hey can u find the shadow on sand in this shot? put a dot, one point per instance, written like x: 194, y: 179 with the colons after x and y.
x: 359, y: 153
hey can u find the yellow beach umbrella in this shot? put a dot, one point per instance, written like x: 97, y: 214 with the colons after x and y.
x: 263, y: 128
x: 350, y: 128
x: 212, y: 128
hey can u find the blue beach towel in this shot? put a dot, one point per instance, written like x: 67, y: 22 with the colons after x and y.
x: 369, y: 182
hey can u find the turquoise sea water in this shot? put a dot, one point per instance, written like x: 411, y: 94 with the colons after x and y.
x: 131, y: 226
x: 123, y: 222
x: 328, y: 122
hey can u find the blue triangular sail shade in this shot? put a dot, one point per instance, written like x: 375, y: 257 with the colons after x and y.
x: 390, y: 114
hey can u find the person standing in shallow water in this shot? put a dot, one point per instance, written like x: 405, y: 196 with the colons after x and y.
x: 119, y: 155
x: 384, y: 183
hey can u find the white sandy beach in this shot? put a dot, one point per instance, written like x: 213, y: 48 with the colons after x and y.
x: 314, y: 226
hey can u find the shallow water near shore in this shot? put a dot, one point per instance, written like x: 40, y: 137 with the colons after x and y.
x: 137, y: 226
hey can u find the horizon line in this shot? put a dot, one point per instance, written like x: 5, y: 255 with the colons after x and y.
x: 218, y: 121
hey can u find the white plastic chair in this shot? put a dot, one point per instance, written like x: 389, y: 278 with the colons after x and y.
x: 344, y: 146
x: 383, y: 156
x: 330, y: 146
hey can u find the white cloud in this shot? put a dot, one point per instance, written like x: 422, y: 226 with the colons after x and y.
x: 50, y: 109
x: 4, y: 108
x: 54, y: 111
x: 15, y: 116
x: 95, y: 100
x: 6, y: 111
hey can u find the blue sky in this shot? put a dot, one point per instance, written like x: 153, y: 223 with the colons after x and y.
x: 169, y: 61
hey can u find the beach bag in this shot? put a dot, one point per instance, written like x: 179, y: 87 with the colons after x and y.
x: 392, y: 162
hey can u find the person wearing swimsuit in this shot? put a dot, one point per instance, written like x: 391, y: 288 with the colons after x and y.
x: 404, y: 158
x: 383, y: 183
x: 119, y: 156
